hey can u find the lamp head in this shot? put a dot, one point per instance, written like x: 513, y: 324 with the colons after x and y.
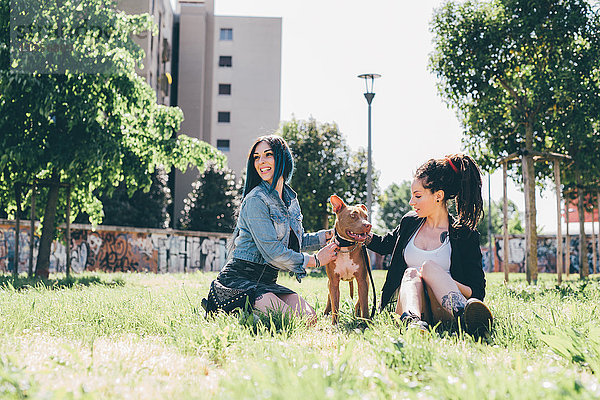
x: 369, y: 81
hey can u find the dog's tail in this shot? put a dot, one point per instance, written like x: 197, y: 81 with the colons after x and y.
x: 352, y: 289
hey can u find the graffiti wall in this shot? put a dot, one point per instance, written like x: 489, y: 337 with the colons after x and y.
x: 546, y: 252
x: 118, y: 249
x: 160, y: 251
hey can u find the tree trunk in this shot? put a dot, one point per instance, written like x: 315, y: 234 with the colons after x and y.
x: 325, y: 221
x: 530, y: 209
x: 42, y: 268
x: 32, y: 231
x: 17, y: 229
x: 584, y: 268
x: 593, y: 244
x: 505, y: 220
x: 568, y: 239
x: 559, y: 238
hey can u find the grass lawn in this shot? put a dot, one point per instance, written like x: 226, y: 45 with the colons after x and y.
x: 145, y: 336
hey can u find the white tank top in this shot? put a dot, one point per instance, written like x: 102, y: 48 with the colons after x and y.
x: 415, y: 257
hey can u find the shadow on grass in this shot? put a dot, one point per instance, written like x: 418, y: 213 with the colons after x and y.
x: 353, y: 323
x: 271, y: 323
x: 26, y: 283
x: 576, y: 289
x: 318, y: 273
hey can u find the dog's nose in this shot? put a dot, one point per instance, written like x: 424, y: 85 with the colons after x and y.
x: 368, y: 227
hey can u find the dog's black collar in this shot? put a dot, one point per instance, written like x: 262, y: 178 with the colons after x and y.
x: 343, y: 242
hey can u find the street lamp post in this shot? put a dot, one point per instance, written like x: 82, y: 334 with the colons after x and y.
x: 369, y: 94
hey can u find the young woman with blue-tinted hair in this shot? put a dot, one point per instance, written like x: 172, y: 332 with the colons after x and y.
x: 269, y: 236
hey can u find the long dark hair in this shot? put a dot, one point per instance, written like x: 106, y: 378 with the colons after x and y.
x: 459, y: 177
x: 284, y: 163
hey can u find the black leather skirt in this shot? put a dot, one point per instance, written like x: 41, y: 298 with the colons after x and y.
x: 241, y: 274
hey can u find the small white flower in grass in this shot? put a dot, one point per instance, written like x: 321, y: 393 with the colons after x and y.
x: 548, y: 385
x: 452, y: 379
x: 329, y: 392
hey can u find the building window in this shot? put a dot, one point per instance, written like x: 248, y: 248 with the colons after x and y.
x: 224, y: 61
x: 224, y: 116
x: 226, y: 34
x: 223, y: 145
x: 225, y: 88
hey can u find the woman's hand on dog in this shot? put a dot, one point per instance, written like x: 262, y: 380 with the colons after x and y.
x: 329, y: 234
x: 328, y: 253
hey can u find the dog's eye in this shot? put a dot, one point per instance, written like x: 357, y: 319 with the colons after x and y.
x: 353, y: 216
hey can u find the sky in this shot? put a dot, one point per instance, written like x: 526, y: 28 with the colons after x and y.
x: 327, y: 43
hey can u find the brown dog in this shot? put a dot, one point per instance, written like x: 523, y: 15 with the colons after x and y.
x: 351, y: 229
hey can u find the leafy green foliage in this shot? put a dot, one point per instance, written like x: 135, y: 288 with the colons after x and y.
x: 143, y: 209
x: 90, y: 130
x: 393, y: 204
x: 325, y: 165
x: 521, y: 74
x: 212, y: 203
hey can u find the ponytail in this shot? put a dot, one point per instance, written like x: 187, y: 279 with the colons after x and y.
x: 469, y: 203
x: 460, y: 179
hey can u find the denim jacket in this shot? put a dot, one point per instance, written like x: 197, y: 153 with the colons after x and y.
x: 263, y: 230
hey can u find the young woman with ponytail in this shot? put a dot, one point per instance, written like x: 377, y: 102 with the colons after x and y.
x: 436, y: 260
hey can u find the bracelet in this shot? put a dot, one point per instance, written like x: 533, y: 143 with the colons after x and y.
x: 317, y: 262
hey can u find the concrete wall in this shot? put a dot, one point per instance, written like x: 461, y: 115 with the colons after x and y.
x: 255, y: 79
x: 119, y: 249
x: 158, y: 48
x: 546, y: 254
x: 194, y: 20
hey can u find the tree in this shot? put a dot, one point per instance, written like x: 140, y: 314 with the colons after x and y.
x: 143, y: 209
x: 393, y: 204
x: 515, y: 70
x: 91, y: 122
x: 325, y: 165
x: 581, y: 179
x: 579, y: 137
x: 212, y: 204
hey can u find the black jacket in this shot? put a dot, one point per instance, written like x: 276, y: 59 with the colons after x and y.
x: 465, y: 260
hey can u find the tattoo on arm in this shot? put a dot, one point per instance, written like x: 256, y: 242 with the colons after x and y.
x: 454, y: 302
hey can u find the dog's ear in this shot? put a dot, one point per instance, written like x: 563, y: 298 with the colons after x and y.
x: 337, y: 203
x: 364, y: 208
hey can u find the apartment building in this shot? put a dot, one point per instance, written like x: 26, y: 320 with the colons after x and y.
x: 158, y: 63
x: 224, y: 72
